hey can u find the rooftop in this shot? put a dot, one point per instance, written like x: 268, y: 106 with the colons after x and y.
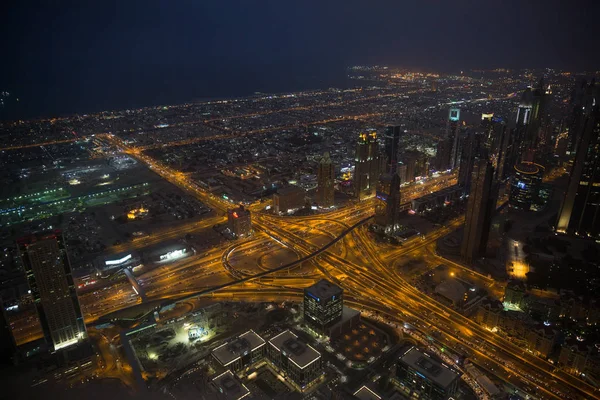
x: 291, y: 189
x: 238, y: 211
x: 429, y: 368
x: 230, y: 387
x: 364, y: 393
x: 235, y: 349
x: 324, y: 289
x: 298, y: 352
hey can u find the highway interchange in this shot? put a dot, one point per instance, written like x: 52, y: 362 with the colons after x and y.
x: 363, y: 267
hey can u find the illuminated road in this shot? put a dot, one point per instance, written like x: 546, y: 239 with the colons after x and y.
x: 365, y: 273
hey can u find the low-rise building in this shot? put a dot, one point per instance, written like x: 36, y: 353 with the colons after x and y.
x: 298, y: 360
x: 421, y: 373
x: 489, y: 313
x: 229, y: 387
x: 288, y: 199
x: 241, y: 352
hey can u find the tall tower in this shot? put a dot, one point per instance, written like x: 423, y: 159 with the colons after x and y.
x: 480, y: 207
x: 453, y: 134
x: 325, y: 182
x: 48, y: 273
x: 368, y: 165
x: 392, y: 141
x: 387, y: 207
x: 580, y: 210
x: 472, y: 147
x: 581, y: 99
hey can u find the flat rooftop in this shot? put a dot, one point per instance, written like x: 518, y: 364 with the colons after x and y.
x: 431, y: 369
x: 297, y: 351
x: 364, y: 393
x: 291, y: 189
x: 230, y: 387
x: 233, y: 350
x: 324, y: 289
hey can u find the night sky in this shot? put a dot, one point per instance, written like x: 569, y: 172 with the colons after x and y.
x: 85, y: 56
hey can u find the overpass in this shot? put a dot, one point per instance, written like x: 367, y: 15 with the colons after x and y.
x: 241, y: 280
x: 135, y: 284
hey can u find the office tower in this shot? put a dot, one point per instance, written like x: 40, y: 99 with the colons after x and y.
x: 473, y: 147
x: 369, y: 165
x: 387, y: 206
x: 580, y: 210
x: 530, y: 117
x: 325, y: 182
x: 442, y: 156
x: 499, y: 147
x: 323, y: 305
x: 288, y: 199
x: 239, y: 353
x: 239, y: 222
x: 582, y: 97
x: 297, y: 359
x: 525, y: 186
x: 453, y: 134
x: 403, y: 173
x: 48, y: 272
x: 392, y: 141
x: 480, y: 207
x: 426, y: 375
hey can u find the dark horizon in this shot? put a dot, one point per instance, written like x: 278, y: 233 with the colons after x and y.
x: 81, y: 58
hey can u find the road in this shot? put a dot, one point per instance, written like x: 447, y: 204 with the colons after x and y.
x: 366, y: 275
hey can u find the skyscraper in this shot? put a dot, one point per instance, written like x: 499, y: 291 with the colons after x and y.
x: 480, y: 207
x: 369, y: 165
x: 323, y: 305
x: 453, y: 133
x: 48, y: 273
x: 525, y: 186
x: 392, y: 141
x: 442, y: 156
x: 472, y: 147
x: 581, y: 98
x: 580, y: 210
x: 239, y: 221
x: 387, y: 207
x: 325, y: 182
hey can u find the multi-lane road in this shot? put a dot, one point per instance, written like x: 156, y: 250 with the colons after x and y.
x: 365, y: 270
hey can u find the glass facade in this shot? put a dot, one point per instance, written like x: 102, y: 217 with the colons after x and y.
x: 48, y: 273
x: 525, y: 186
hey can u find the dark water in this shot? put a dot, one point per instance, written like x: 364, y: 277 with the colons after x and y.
x: 151, y: 87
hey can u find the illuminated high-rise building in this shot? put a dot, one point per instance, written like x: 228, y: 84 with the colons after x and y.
x: 582, y: 99
x: 442, y: 156
x: 323, y: 305
x: 449, y: 146
x: 239, y: 222
x: 580, y: 210
x: 526, y: 135
x: 392, y: 141
x: 453, y: 133
x: 472, y: 147
x: 480, y: 207
x: 369, y: 165
x: 387, y: 206
x: 325, y: 182
x: 48, y: 273
x: 525, y: 186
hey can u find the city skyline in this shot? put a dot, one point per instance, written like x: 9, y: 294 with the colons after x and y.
x: 105, y: 57
x: 300, y: 201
